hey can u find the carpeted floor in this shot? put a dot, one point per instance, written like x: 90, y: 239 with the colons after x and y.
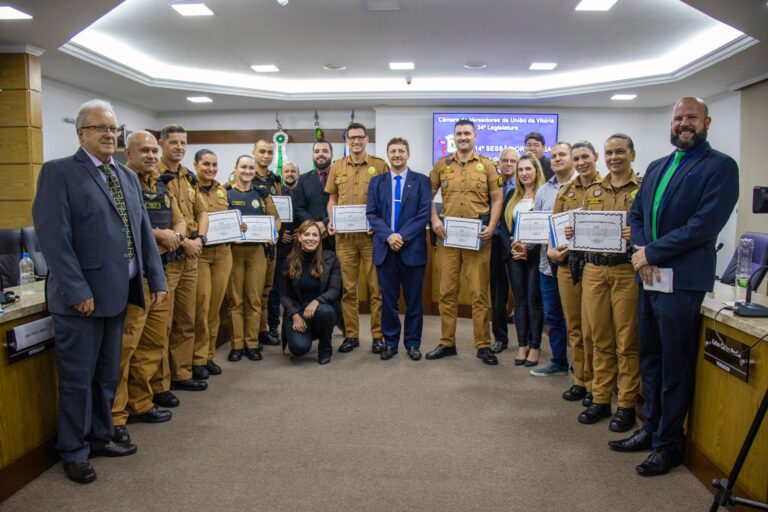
x: 365, y: 434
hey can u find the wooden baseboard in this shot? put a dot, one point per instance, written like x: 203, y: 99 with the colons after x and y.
x: 705, y: 471
x: 25, y: 469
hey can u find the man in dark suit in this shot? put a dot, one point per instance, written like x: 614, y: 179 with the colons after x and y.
x: 499, y: 281
x: 399, y: 204
x: 97, y: 240
x: 535, y: 144
x: 685, y: 200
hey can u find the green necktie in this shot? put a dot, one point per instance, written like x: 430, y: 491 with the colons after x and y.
x: 117, y: 196
x: 663, y: 184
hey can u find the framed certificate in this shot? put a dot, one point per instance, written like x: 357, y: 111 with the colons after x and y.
x: 350, y: 218
x: 557, y: 224
x: 284, y: 207
x: 261, y: 228
x: 462, y: 233
x: 599, y: 231
x: 532, y: 227
x: 224, y: 227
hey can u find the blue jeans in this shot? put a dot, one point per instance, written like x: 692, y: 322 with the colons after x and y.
x: 555, y: 320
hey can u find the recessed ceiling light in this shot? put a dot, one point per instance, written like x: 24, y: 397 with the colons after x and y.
x: 401, y: 65
x: 542, y: 66
x: 192, y: 9
x: 265, y: 68
x: 9, y: 13
x: 334, y: 67
x: 199, y: 99
x: 595, y: 5
x: 475, y: 65
x: 623, y: 97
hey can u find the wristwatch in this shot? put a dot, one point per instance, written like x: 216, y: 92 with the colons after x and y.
x: 203, y: 239
x: 181, y: 237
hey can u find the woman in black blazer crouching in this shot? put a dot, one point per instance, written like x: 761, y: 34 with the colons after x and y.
x: 308, y: 287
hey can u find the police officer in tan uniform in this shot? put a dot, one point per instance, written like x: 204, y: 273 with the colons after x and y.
x: 610, y: 295
x: 213, y: 268
x: 176, y: 371
x: 570, y: 265
x: 143, y: 347
x: 470, y: 188
x: 348, y: 184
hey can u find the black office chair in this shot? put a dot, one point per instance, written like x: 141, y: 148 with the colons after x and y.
x: 10, y: 255
x: 31, y: 246
x: 759, y: 258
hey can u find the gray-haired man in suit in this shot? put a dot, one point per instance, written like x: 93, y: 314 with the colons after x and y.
x: 97, y: 240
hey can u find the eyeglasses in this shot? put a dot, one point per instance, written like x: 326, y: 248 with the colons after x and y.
x: 102, y: 129
x: 356, y: 137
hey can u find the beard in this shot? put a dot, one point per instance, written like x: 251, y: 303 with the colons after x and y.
x: 698, y: 138
x: 322, y: 165
x: 289, y: 182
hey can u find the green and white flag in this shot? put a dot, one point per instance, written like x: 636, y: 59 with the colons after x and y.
x: 281, y: 142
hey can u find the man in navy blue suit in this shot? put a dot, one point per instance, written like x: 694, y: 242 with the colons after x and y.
x: 96, y: 237
x: 685, y: 200
x: 399, y: 204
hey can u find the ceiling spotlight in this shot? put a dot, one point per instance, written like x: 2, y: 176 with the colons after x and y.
x: 542, y: 66
x: 475, y: 65
x: 401, y: 65
x: 334, y: 67
x: 199, y: 99
x: 595, y: 5
x: 9, y: 13
x: 623, y: 97
x: 192, y: 9
x: 265, y: 68
x: 282, y: 3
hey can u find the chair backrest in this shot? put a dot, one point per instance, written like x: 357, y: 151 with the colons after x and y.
x: 10, y: 255
x: 29, y: 241
x: 759, y: 258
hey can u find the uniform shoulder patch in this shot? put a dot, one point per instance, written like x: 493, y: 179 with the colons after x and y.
x: 501, y: 181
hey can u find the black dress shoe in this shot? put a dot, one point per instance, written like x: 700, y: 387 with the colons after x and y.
x: 485, y: 355
x: 121, y: 435
x: 575, y: 393
x: 594, y: 413
x: 587, y: 400
x: 213, y: 368
x: 498, y: 347
x: 275, y: 333
x: 324, y: 359
x: 266, y: 338
x: 165, y: 399
x: 154, y: 415
x: 637, y: 442
x: 235, y: 355
x: 113, y: 449
x: 80, y: 471
x: 253, y: 354
x: 388, y: 353
x: 414, y: 354
x: 623, y: 420
x: 349, y: 344
x: 189, y: 385
x: 377, y: 346
x: 660, y: 462
x: 441, y: 351
x: 200, y: 373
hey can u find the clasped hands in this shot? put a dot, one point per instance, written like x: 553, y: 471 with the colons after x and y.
x: 299, y: 325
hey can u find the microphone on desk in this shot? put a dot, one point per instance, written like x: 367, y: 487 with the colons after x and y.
x: 746, y: 308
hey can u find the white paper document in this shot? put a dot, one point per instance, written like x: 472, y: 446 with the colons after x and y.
x: 284, y: 207
x: 532, y: 227
x: 224, y: 227
x: 663, y: 286
x: 557, y: 224
x: 599, y: 231
x: 261, y: 228
x: 350, y: 218
x: 462, y: 233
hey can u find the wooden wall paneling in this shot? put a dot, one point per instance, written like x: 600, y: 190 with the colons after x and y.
x: 15, y: 214
x: 18, y: 181
x: 14, y: 71
x: 14, y: 111
x: 21, y: 145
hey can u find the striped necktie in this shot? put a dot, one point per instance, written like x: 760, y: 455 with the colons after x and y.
x: 117, y: 197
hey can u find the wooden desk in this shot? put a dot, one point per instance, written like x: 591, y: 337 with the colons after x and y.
x: 724, y: 406
x: 28, y: 402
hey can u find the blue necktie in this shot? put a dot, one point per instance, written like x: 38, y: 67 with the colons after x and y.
x: 397, y: 203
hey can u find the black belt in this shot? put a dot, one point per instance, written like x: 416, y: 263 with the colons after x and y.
x: 608, y: 260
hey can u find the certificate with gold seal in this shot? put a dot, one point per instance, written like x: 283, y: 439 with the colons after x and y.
x: 224, y: 227
x: 595, y: 231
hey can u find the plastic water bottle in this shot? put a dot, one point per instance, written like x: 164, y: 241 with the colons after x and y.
x: 743, y: 266
x: 27, y: 274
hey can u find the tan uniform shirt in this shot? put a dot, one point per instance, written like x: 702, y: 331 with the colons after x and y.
x: 187, y: 196
x: 465, y: 187
x: 215, y: 197
x: 150, y: 185
x: 600, y: 195
x: 571, y: 196
x: 350, y: 181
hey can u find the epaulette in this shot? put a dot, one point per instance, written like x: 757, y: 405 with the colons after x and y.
x: 167, y: 177
x: 228, y: 186
x: 192, y: 179
x: 262, y: 192
x: 449, y: 160
x: 274, y: 177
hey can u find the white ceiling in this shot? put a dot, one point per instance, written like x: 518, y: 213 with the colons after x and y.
x: 438, y: 35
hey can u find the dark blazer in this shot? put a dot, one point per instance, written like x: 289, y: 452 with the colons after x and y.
x: 502, y: 232
x: 415, y: 210
x: 291, y: 296
x: 695, y: 207
x: 82, y: 238
x: 310, y: 201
